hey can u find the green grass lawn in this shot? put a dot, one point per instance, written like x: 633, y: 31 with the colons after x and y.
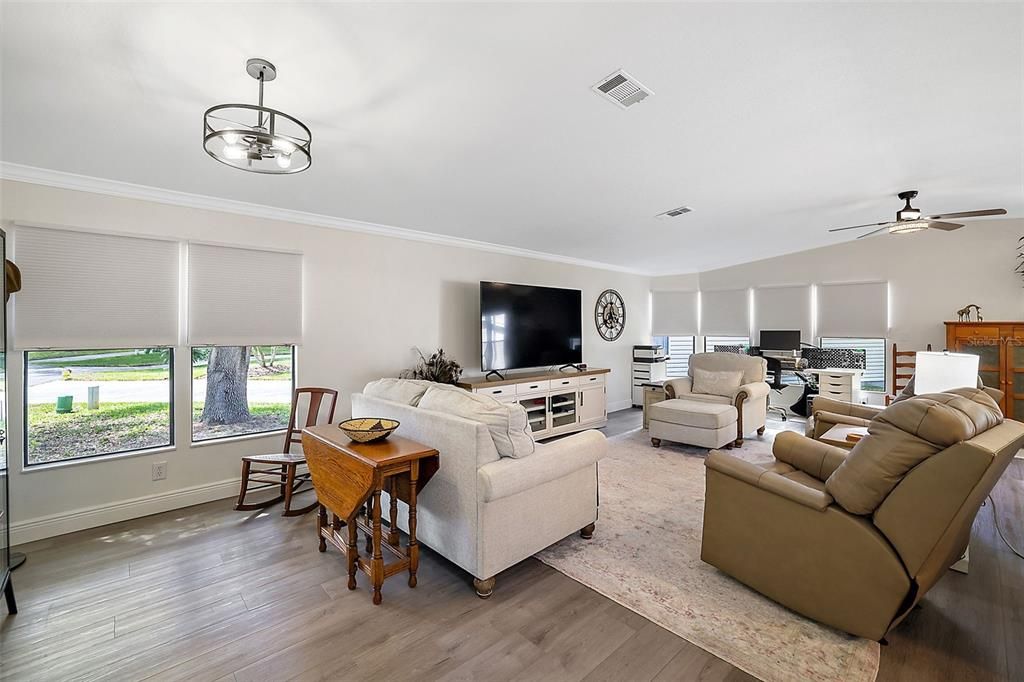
x: 115, y: 427
x: 120, y: 427
x: 152, y: 374
x: 134, y: 360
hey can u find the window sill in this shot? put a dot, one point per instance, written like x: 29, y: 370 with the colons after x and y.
x: 236, y: 439
x: 60, y: 464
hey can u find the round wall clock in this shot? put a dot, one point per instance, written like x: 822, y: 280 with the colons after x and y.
x: 610, y: 315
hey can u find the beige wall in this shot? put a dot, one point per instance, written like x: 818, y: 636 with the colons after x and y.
x: 931, y: 275
x: 368, y: 300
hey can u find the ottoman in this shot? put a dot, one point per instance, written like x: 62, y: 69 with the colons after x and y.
x: 708, y: 425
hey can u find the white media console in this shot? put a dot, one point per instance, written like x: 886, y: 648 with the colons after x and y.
x: 556, y: 402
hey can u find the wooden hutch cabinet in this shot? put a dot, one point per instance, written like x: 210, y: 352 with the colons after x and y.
x: 1000, y: 346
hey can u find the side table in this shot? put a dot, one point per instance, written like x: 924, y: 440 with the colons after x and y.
x: 653, y: 393
x: 348, y: 475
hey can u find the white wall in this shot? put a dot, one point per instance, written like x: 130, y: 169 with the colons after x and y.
x: 368, y: 300
x: 931, y: 275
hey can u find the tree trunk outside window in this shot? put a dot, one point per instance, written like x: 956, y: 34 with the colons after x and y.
x: 227, y: 376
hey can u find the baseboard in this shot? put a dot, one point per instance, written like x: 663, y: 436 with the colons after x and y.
x: 620, y: 405
x: 91, y: 517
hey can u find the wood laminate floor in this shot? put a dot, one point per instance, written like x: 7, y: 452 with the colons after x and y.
x: 206, y: 593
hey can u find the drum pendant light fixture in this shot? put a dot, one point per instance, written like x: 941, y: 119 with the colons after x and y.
x: 254, y: 137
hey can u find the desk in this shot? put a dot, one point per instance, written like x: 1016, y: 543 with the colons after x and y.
x: 348, y: 475
x: 839, y: 383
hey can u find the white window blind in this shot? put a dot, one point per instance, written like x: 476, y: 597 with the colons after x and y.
x: 783, y: 308
x: 242, y: 297
x: 854, y: 310
x: 680, y: 348
x: 674, y: 313
x: 86, y: 290
x: 725, y: 313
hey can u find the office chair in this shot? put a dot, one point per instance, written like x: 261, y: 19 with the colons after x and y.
x: 776, y: 386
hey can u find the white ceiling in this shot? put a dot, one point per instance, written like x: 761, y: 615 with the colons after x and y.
x: 773, y: 121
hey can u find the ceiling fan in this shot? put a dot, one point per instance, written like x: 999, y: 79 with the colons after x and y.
x: 908, y: 219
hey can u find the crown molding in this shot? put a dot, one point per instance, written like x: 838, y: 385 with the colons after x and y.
x: 127, y: 190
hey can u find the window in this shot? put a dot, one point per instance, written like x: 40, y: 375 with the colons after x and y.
x: 712, y: 342
x: 679, y: 349
x: 86, y: 403
x: 238, y: 390
x: 874, y: 375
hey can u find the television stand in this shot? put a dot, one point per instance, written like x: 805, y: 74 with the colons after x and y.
x: 555, y: 404
x: 501, y: 377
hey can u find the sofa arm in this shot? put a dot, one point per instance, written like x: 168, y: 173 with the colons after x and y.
x: 677, y: 387
x: 769, y: 481
x: 753, y: 391
x: 822, y: 404
x: 812, y: 457
x: 551, y: 461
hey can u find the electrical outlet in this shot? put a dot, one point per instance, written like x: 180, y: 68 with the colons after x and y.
x: 159, y: 471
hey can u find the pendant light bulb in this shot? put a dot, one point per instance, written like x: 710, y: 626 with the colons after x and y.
x: 284, y: 160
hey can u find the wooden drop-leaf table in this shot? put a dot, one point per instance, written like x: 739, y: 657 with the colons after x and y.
x: 349, y: 477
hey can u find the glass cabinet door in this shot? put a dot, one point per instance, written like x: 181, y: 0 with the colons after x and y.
x: 989, y: 350
x: 563, y: 409
x: 1014, y: 376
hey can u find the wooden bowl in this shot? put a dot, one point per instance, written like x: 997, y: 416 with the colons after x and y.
x: 368, y: 429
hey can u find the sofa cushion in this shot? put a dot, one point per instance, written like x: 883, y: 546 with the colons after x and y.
x: 699, y: 414
x: 507, y: 422
x: 902, y: 436
x: 717, y: 382
x: 405, y: 391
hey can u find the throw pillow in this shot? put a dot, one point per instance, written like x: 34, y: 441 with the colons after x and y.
x: 716, y: 383
x: 405, y: 391
x: 506, y: 422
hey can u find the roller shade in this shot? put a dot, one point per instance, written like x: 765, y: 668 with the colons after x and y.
x: 242, y: 297
x: 783, y: 308
x: 725, y: 313
x: 674, y: 313
x: 83, y: 290
x: 853, y: 310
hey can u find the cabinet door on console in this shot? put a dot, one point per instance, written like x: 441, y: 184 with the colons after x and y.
x: 592, y: 404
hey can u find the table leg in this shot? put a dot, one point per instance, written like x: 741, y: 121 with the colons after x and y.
x: 369, y: 522
x: 414, y: 548
x: 377, y: 562
x: 393, y: 537
x: 353, y: 550
x: 321, y: 524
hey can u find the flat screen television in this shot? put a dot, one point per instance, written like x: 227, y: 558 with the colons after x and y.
x: 780, y: 340
x: 527, y: 326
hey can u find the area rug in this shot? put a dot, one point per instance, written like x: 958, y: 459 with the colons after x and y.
x: 645, y: 555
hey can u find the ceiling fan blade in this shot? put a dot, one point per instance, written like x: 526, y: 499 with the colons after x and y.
x: 948, y: 227
x: 855, y: 227
x: 969, y: 214
x: 884, y: 226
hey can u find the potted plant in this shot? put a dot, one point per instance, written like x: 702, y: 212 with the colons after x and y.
x: 438, y: 368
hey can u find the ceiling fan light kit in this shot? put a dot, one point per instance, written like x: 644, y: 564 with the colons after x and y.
x: 908, y: 219
x: 255, y: 138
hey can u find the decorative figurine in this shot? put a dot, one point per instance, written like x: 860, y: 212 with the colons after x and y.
x: 964, y: 314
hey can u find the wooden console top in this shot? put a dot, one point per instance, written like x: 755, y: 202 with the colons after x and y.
x: 478, y: 382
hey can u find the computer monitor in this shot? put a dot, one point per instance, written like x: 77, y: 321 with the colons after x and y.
x: 780, y: 340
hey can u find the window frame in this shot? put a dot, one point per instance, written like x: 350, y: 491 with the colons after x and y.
x: 885, y: 357
x: 248, y: 434
x: 168, y: 446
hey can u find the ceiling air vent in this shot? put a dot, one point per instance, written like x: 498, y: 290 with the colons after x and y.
x: 674, y: 213
x: 622, y: 89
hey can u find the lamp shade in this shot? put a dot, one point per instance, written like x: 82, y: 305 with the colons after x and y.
x: 938, y: 372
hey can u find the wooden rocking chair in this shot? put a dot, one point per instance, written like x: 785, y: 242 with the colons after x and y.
x: 903, y: 364
x: 284, y: 472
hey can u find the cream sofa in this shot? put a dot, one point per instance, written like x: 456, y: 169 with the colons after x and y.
x: 700, y: 418
x: 484, y: 512
x: 855, y: 539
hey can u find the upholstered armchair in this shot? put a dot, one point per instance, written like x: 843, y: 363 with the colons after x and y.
x: 750, y: 399
x: 854, y: 539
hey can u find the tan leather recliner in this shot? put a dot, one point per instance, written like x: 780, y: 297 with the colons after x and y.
x: 854, y: 539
